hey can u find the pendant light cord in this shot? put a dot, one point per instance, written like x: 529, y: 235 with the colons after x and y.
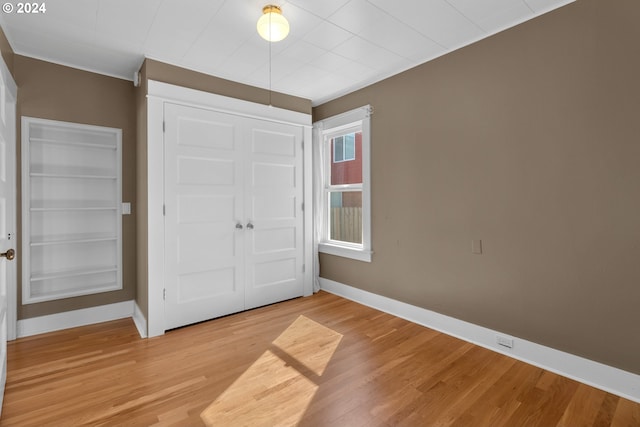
x: 270, y: 43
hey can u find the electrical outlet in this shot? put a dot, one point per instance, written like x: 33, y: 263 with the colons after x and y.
x: 476, y: 247
x: 504, y: 341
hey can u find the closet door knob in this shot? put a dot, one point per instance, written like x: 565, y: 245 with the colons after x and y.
x: 250, y: 226
x: 10, y: 254
x: 239, y: 226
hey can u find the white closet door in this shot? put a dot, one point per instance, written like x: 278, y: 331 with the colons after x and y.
x: 273, y: 206
x: 204, y: 198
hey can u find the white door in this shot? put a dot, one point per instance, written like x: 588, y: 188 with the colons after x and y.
x: 273, y: 205
x: 233, y: 214
x: 7, y: 220
x: 204, y: 268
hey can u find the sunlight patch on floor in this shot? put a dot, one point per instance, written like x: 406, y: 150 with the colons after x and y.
x: 278, y: 387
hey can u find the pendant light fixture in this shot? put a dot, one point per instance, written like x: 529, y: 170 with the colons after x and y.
x: 272, y: 26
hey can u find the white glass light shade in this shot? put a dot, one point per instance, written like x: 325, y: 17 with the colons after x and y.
x: 272, y: 26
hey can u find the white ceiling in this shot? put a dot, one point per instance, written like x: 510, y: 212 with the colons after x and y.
x: 334, y: 47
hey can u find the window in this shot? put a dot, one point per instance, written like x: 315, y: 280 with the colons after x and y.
x: 344, y: 147
x: 345, y: 197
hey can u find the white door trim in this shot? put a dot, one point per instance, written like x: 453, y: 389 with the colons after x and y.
x: 160, y: 93
x: 224, y: 104
x: 11, y: 97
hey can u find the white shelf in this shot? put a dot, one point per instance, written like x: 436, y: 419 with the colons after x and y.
x: 72, y: 208
x: 72, y: 143
x: 67, y: 293
x: 71, y: 176
x: 72, y: 239
x: 63, y: 274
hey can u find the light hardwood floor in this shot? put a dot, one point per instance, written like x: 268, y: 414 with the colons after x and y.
x: 317, y: 361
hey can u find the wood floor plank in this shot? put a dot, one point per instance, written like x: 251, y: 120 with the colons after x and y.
x: 583, y: 408
x: 316, y: 361
x: 627, y: 414
x: 606, y: 411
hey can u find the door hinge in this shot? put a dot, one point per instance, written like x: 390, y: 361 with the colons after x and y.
x: 303, y: 206
x: 164, y: 294
x: 162, y: 127
x: 303, y: 267
x: 164, y: 210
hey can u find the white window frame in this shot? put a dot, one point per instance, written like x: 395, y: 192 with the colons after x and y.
x: 357, y: 120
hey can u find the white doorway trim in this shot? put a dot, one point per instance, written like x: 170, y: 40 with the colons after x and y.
x: 10, y: 96
x: 158, y: 94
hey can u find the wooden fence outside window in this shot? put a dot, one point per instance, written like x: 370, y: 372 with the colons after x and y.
x: 346, y: 224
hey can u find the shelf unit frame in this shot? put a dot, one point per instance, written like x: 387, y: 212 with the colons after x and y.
x: 112, y: 211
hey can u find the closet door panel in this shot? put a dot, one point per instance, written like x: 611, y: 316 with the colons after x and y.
x: 274, y: 207
x: 200, y: 209
x: 233, y: 213
x: 193, y: 287
x: 205, y: 171
x: 204, y: 263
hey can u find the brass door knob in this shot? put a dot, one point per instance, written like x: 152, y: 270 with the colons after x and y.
x: 9, y: 255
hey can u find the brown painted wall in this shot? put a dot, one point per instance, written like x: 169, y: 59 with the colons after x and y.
x: 527, y: 140
x: 6, y: 51
x: 51, y: 91
x: 166, y: 73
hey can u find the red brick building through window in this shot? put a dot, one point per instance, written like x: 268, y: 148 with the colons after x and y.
x: 346, y: 168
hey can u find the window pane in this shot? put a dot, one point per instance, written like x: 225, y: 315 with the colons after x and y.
x: 349, y: 170
x: 350, y: 146
x: 335, y: 200
x: 345, y: 216
x: 338, y: 149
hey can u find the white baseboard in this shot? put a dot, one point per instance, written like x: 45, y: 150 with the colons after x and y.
x: 139, y: 320
x: 75, y: 318
x: 613, y: 380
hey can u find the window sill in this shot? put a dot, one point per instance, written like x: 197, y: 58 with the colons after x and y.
x: 343, y: 251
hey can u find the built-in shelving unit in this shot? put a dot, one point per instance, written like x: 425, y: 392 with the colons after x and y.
x: 71, y: 200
